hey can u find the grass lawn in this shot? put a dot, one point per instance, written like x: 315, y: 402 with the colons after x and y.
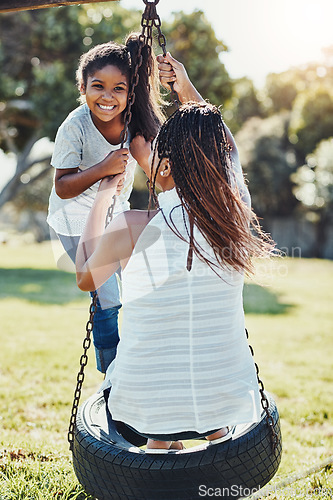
x: 43, y: 317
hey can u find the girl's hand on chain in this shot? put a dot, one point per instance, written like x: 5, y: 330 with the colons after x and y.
x: 115, y: 162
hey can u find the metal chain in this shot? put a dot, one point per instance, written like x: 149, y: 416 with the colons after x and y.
x: 153, y: 19
x: 80, y: 375
x: 264, y: 401
x: 149, y: 19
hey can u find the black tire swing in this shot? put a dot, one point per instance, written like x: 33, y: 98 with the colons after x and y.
x: 107, y: 458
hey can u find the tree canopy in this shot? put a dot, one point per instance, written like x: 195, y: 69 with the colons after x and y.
x: 278, y: 128
x: 298, y: 106
x: 268, y: 161
x: 243, y: 104
x: 192, y: 40
x: 312, y: 117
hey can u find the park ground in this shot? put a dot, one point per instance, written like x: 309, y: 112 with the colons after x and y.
x: 289, y: 316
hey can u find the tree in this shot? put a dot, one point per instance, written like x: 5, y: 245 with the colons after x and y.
x: 192, y: 40
x: 282, y: 89
x: 307, y: 92
x: 29, y: 62
x: 312, y: 117
x: 314, y: 188
x: 243, y: 104
x: 299, y: 103
x: 268, y: 159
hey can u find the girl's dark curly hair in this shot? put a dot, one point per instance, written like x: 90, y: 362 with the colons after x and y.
x: 146, y: 113
x: 195, y: 141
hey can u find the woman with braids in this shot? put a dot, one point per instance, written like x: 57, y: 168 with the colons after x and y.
x: 87, y: 149
x: 183, y: 366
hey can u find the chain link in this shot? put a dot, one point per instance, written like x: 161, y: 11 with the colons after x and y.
x: 155, y: 20
x: 149, y: 19
x: 264, y: 402
x: 80, y: 375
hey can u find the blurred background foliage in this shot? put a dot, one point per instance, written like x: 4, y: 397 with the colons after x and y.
x: 283, y: 130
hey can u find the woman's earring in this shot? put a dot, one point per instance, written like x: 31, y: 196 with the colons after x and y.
x: 162, y: 173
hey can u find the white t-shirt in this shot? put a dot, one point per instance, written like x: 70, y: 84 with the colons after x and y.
x: 183, y: 362
x: 80, y: 144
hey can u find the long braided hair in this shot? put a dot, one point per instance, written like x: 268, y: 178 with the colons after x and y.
x: 194, y: 139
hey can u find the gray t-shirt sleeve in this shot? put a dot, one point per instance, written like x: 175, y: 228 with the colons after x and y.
x: 68, y: 146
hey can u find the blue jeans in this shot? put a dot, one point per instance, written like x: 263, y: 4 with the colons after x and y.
x: 105, y: 324
x: 105, y: 335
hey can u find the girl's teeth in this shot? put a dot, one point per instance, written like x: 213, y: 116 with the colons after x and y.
x: 108, y: 108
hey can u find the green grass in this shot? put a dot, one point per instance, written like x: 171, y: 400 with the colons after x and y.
x: 43, y: 317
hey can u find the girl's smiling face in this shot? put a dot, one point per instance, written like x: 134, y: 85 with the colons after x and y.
x: 106, y: 93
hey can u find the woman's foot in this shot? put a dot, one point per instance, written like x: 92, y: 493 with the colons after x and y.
x: 164, y: 445
x: 176, y: 445
x: 219, y: 434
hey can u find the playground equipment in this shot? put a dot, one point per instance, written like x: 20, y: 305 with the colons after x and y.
x: 107, y: 457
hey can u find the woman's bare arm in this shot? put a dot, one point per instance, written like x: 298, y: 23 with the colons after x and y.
x: 102, y: 251
x: 96, y: 258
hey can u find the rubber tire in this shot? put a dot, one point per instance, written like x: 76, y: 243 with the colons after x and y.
x: 111, y: 468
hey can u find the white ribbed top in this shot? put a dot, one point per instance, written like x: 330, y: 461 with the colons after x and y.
x: 183, y: 361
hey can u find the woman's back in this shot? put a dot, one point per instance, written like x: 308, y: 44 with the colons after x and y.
x: 183, y: 362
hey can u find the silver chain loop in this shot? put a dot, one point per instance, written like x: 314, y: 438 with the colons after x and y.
x: 264, y: 402
x: 80, y: 375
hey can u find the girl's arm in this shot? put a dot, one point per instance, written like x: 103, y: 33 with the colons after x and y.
x: 70, y: 182
x: 140, y: 150
x: 171, y: 70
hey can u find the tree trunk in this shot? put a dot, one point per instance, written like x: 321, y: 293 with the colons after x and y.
x: 13, y: 5
x: 23, y: 164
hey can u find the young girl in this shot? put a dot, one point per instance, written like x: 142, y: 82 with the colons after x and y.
x: 183, y: 362
x: 87, y: 149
